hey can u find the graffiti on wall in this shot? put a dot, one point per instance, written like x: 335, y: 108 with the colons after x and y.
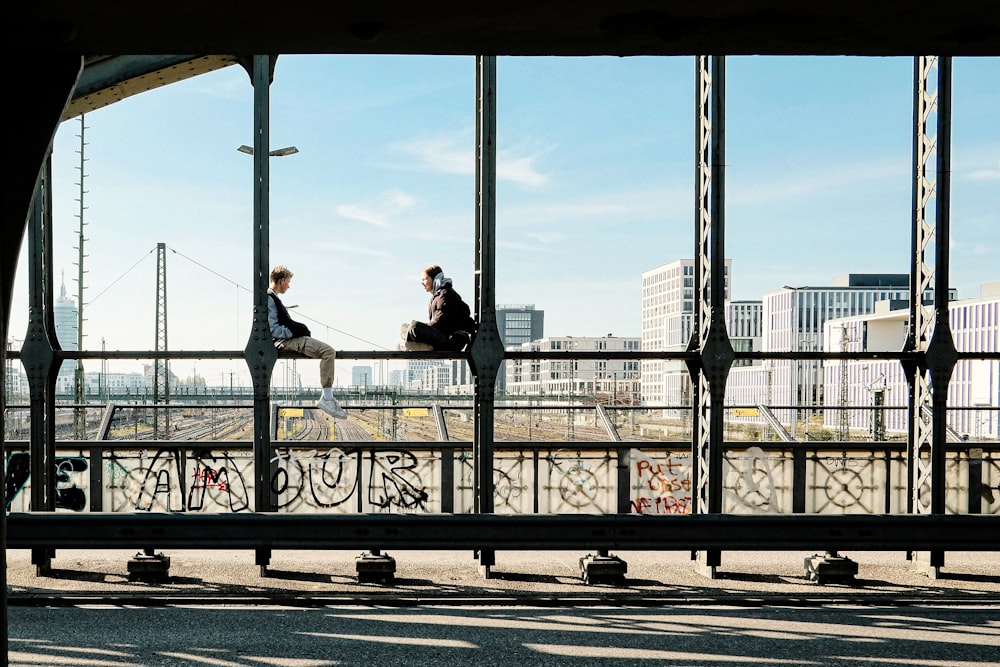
x: 68, y: 470
x: 362, y: 480
x: 750, y: 482
x: 300, y: 480
x: 661, y: 486
x: 566, y: 482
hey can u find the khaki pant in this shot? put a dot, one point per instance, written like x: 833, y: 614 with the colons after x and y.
x: 315, y: 349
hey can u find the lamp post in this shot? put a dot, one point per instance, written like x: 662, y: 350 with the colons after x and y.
x: 279, y: 152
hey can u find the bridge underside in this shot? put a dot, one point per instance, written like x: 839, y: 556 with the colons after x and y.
x: 517, y: 27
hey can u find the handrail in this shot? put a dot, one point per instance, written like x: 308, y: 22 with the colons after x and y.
x: 953, y: 532
x: 870, y: 355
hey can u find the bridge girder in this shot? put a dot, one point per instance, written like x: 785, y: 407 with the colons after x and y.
x: 518, y: 27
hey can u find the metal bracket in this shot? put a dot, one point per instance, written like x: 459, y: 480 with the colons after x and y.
x: 149, y: 567
x: 602, y: 568
x: 830, y: 568
x: 375, y: 567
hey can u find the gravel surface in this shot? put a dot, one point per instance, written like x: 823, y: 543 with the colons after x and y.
x: 539, y: 577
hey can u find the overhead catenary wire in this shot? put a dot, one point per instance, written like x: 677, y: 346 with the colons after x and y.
x: 118, y: 279
x: 246, y: 289
x: 230, y: 281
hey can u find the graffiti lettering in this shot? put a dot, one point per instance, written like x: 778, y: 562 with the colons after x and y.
x: 661, y: 487
x: 157, y: 491
x: 225, y: 484
x: 68, y: 495
x: 393, y: 472
x: 661, y: 505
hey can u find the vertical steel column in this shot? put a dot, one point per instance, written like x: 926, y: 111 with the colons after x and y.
x: 941, y: 353
x: 486, y: 353
x: 927, y: 449
x: 716, y: 350
x: 921, y: 275
x: 260, y: 353
x: 702, y: 267
x: 45, y: 83
x: 39, y: 357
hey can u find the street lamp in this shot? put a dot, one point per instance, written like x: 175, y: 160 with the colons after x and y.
x: 279, y: 152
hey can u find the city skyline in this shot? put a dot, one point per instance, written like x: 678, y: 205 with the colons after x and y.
x: 595, y: 186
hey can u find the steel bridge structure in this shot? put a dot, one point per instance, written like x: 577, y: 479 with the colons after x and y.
x: 69, y: 58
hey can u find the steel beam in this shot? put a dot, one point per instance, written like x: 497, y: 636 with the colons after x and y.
x: 268, y: 530
x: 486, y: 353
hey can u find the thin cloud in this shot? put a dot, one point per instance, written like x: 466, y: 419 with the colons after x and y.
x: 443, y: 153
x: 227, y: 83
x: 783, y: 186
x: 520, y: 169
x: 453, y: 154
x: 389, y: 206
x: 607, y: 208
x: 518, y: 247
x: 355, y: 250
x: 985, y: 174
x: 977, y: 249
x: 548, y: 238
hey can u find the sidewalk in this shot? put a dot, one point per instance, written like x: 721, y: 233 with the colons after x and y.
x: 426, y: 577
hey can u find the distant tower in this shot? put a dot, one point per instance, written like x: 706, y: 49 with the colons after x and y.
x: 844, y: 417
x: 66, y: 316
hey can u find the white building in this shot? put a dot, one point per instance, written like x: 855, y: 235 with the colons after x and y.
x: 794, y: 320
x: 433, y: 379
x: 413, y: 375
x: 461, y: 380
x: 115, y: 384
x: 667, y: 321
x: 361, y: 376
x: 575, y: 377
x: 743, y: 323
x: 974, y: 390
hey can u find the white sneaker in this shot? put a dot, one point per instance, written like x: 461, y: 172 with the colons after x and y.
x: 332, y: 408
x: 413, y: 346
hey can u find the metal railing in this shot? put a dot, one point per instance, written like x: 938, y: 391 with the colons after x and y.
x: 413, y: 461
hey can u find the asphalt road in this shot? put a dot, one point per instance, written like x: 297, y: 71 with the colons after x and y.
x: 694, y: 635
x: 310, y: 610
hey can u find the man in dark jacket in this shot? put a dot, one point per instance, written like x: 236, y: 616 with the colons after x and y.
x: 449, y: 323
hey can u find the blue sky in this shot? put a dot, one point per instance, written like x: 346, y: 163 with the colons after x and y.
x: 595, y: 186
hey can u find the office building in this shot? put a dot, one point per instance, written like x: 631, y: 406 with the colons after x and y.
x: 517, y: 324
x: 668, y: 298
x: 361, y: 376
x: 880, y: 385
x: 743, y: 323
x: 794, y: 320
x: 617, y: 378
x: 520, y: 324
